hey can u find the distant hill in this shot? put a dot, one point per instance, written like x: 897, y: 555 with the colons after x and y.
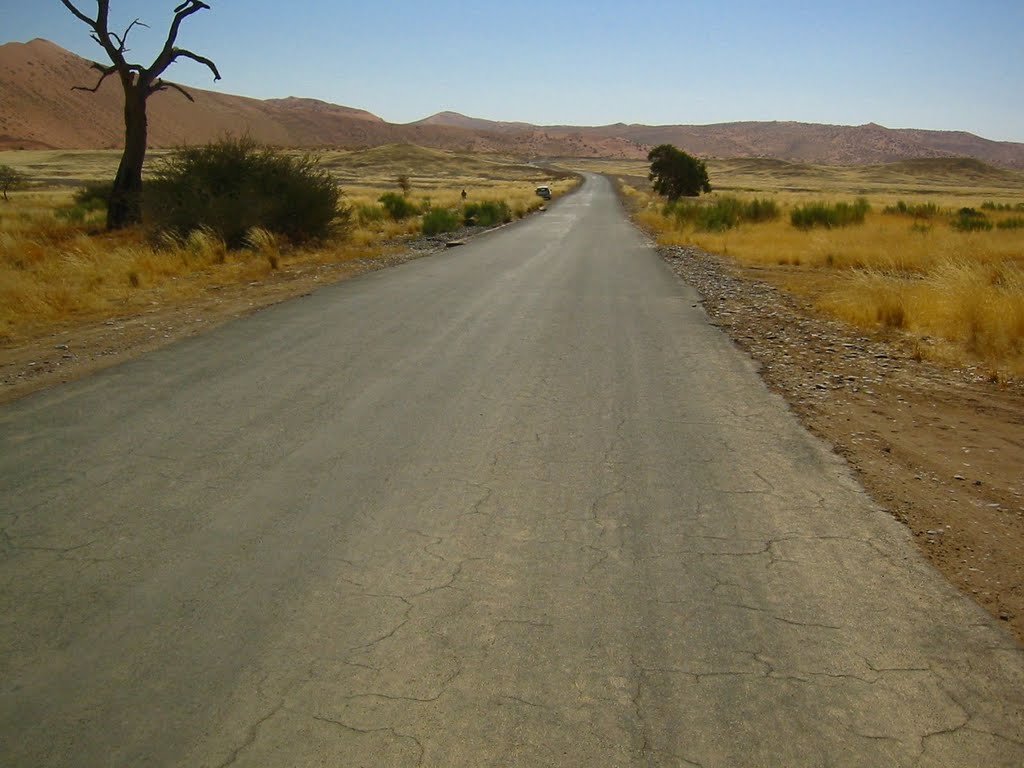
x: 38, y: 110
x: 455, y: 120
x: 796, y: 142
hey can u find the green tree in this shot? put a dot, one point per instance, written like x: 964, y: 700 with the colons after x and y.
x: 676, y: 174
x: 11, y: 179
x: 139, y: 83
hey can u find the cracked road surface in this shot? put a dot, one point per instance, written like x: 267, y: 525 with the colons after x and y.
x: 517, y: 504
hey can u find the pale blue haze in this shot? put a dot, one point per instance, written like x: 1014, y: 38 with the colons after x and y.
x: 940, y: 65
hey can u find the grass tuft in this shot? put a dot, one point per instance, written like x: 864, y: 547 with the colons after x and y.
x: 971, y: 220
x: 829, y: 215
x: 487, y: 213
x: 439, y: 220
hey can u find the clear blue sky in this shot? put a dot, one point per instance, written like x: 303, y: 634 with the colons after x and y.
x: 941, y: 65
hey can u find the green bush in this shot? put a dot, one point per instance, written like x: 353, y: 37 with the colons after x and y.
x: 724, y: 213
x: 89, y: 201
x: 487, y: 213
x: 683, y: 211
x: 233, y: 185
x: 918, y: 211
x: 992, y: 206
x: 438, y: 220
x: 971, y: 220
x: 369, y: 214
x: 829, y: 216
x: 1015, y: 222
x: 760, y: 209
x: 93, y: 196
x: 721, y: 214
x: 398, y: 206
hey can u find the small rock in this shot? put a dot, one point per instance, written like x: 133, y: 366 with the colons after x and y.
x: 958, y: 477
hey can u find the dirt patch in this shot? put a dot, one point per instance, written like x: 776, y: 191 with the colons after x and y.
x: 941, y: 450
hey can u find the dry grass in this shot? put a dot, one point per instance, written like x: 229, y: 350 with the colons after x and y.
x: 430, y: 171
x: 434, y: 171
x: 55, y: 272
x: 437, y: 178
x: 958, y: 295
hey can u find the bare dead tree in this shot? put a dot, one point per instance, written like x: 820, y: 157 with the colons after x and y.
x: 139, y: 83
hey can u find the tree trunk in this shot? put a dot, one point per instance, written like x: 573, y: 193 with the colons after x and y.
x: 125, y: 206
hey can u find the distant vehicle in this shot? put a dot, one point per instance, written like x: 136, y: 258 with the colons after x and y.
x: 544, y: 192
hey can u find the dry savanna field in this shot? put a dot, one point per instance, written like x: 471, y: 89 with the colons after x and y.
x: 59, y: 268
x: 906, y: 267
x: 938, y: 255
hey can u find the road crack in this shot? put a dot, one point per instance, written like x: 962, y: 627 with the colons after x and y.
x: 370, y: 731
x: 251, y: 736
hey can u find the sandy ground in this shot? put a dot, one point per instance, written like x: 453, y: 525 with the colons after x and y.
x: 941, y: 450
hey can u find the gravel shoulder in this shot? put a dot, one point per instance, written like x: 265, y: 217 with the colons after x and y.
x: 941, y: 450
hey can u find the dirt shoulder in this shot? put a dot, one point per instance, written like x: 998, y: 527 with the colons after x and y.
x: 941, y: 450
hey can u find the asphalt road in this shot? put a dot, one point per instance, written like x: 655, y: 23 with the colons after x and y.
x: 516, y: 504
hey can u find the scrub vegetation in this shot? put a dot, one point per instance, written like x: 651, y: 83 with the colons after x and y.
x: 59, y: 266
x: 931, y: 249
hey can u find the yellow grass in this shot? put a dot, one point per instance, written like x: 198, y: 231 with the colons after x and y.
x: 55, y: 272
x: 958, y: 295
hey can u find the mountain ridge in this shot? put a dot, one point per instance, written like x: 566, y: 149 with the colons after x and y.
x: 39, y: 110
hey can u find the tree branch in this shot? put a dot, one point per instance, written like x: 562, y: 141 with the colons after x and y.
x: 189, y: 3
x: 182, y: 53
x: 100, y: 29
x: 161, y: 85
x: 107, y: 72
x: 81, y: 16
x: 181, y: 13
x: 121, y: 38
